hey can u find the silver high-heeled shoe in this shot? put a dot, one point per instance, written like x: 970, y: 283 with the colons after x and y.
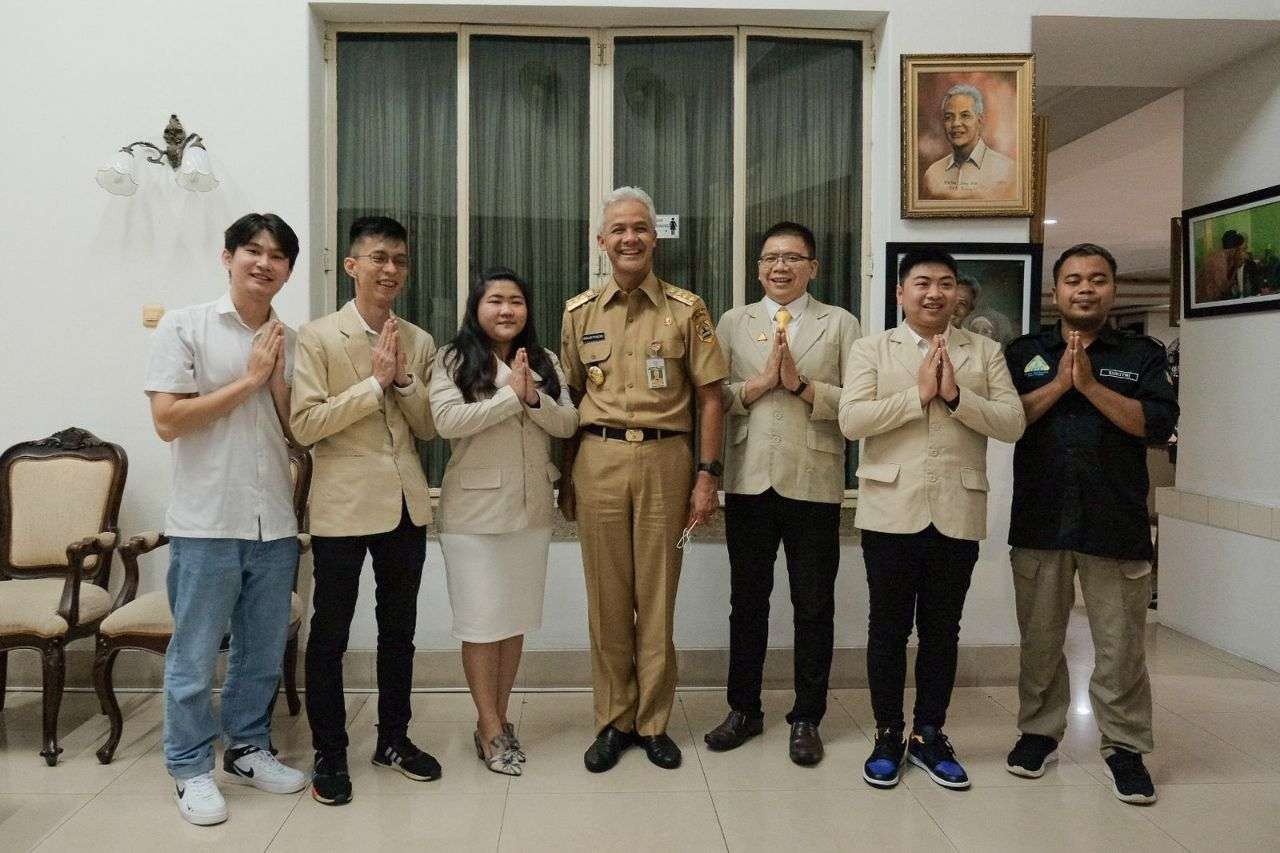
x: 513, y: 742
x: 501, y: 759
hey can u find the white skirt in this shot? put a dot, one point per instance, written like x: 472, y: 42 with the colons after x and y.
x: 496, y: 582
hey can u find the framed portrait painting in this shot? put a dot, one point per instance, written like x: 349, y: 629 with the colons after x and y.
x: 967, y: 133
x: 1231, y: 255
x: 999, y: 286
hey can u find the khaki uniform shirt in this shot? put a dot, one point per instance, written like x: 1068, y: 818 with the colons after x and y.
x: 611, y: 341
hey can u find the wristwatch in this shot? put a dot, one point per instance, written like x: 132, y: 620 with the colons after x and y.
x: 715, y: 469
x: 804, y: 383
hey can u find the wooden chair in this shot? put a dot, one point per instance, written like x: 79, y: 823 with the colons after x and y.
x: 59, y: 509
x: 144, y: 622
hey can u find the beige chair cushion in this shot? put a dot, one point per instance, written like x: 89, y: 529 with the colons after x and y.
x: 148, y: 615
x: 31, y: 606
x: 56, y: 502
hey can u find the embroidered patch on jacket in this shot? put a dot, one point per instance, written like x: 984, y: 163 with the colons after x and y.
x: 592, y: 337
x: 1118, y: 374
x: 1036, y: 367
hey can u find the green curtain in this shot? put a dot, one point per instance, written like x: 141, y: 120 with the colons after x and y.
x: 530, y: 102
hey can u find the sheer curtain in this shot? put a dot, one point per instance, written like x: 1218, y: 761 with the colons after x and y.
x: 530, y: 102
x: 804, y: 162
x: 397, y: 156
x: 673, y: 136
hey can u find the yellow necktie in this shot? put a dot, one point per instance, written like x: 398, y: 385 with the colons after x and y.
x: 782, y: 318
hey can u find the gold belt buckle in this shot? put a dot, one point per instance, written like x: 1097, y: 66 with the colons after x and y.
x: 635, y: 435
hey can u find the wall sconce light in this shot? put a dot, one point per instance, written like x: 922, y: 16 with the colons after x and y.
x: 184, y: 153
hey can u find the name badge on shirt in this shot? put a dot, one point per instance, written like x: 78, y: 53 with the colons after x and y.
x: 655, y: 367
x: 1118, y: 374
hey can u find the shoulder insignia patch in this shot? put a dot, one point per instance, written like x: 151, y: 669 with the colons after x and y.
x: 576, y: 302
x: 679, y: 294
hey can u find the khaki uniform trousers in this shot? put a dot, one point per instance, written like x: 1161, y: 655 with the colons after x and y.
x: 633, y: 502
x: 1116, y: 595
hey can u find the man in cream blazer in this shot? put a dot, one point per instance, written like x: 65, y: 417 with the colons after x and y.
x: 783, y: 482
x: 923, y: 398
x: 360, y: 396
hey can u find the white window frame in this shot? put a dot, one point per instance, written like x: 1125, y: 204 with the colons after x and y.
x: 600, y: 121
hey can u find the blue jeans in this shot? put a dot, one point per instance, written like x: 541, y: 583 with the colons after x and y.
x: 215, y: 584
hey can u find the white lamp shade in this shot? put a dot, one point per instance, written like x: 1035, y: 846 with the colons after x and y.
x: 195, y: 173
x: 117, y: 176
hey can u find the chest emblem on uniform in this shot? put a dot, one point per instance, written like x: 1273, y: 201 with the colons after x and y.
x: 595, y: 374
x: 762, y: 337
x: 1036, y: 367
x: 592, y: 337
x: 1118, y: 374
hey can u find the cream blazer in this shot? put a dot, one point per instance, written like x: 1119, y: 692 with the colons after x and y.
x: 366, y: 459
x: 780, y: 441
x: 926, y: 466
x: 500, y: 476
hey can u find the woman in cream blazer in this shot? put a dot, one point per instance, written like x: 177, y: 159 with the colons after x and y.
x: 498, y: 397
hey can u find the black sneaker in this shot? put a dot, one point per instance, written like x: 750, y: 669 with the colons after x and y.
x: 330, y: 782
x: 1130, y: 780
x: 884, y: 768
x: 929, y: 749
x: 1031, y: 754
x: 400, y: 754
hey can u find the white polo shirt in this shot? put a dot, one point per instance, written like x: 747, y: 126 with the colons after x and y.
x: 231, y: 479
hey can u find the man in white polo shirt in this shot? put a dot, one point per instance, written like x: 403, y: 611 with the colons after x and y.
x: 218, y: 381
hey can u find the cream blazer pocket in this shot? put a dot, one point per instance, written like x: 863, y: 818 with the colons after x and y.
x: 480, y: 478
x: 824, y: 438
x: 879, y: 472
x: 974, y: 480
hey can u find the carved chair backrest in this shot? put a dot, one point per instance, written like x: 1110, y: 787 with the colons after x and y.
x: 54, y: 492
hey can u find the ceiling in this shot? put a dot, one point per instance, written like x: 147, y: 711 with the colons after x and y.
x: 1092, y: 71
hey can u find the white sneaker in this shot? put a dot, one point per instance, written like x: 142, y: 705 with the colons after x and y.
x: 199, y: 800
x: 249, y: 765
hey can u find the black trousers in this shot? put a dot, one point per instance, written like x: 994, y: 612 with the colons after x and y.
x: 398, y: 556
x: 810, y: 535
x: 922, y: 578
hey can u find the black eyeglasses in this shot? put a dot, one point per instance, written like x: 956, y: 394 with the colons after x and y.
x: 401, y: 262
x: 790, y: 259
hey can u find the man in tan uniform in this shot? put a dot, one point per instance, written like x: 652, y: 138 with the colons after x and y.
x: 637, y: 354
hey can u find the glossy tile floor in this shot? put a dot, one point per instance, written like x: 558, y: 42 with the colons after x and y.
x: 1217, y: 767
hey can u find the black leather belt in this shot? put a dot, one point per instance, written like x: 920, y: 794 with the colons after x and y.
x: 633, y: 435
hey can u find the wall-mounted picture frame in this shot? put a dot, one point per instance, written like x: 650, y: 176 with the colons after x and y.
x: 967, y: 129
x: 1231, y: 255
x: 1005, y: 278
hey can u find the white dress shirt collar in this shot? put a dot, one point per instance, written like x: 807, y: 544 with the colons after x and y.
x: 923, y: 344
x: 796, y: 306
x: 364, y: 322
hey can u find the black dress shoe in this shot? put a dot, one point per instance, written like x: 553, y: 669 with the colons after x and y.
x: 606, y: 749
x: 736, y: 729
x: 661, y: 750
x: 806, y: 743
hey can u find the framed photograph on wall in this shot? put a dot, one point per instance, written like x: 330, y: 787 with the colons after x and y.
x: 967, y: 135
x: 1004, y: 280
x: 1231, y: 255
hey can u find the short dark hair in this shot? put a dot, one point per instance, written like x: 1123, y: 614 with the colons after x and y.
x: 1084, y: 250
x: 1232, y: 239
x: 792, y: 229
x: 243, y: 230
x: 969, y: 282
x: 925, y: 255
x: 376, y: 226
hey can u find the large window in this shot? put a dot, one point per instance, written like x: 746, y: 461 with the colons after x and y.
x: 495, y: 146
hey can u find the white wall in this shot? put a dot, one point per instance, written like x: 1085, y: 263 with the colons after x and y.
x: 1119, y: 186
x: 1216, y: 584
x: 84, y: 78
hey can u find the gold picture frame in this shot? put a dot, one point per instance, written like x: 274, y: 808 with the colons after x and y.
x: 988, y: 101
